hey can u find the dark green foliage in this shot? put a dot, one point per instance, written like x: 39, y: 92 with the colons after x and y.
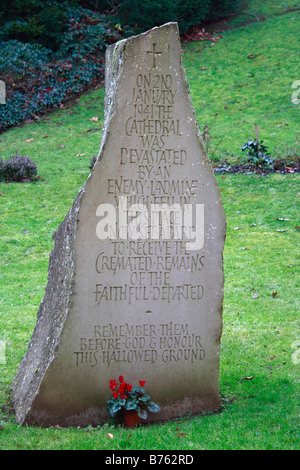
x: 191, y: 12
x: 17, y: 168
x: 21, y: 58
x: 258, y: 155
x: 147, y: 14
x: 87, y: 34
x: 50, y: 51
x: 222, y: 8
x: 35, y: 21
x: 38, y: 79
x: 137, y: 400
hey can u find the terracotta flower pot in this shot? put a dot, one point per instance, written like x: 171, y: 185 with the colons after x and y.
x: 131, y: 418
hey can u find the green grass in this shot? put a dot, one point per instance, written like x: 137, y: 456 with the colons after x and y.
x: 259, y: 380
x: 245, y: 91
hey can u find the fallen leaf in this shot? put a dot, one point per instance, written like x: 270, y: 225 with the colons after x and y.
x: 274, y: 294
x: 2, y: 194
x: 271, y: 358
x: 236, y: 228
x: 281, y: 229
x: 94, y: 119
x: 57, y: 426
x: 29, y: 140
x: 297, y: 227
x: 111, y: 436
x: 45, y: 137
x: 255, y: 296
x: 248, y: 378
x: 281, y: 218
x: 80, y: 154
x: 181, y: 434
x: 61, y: 147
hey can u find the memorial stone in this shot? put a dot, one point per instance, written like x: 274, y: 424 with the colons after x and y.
x: 135, y: 281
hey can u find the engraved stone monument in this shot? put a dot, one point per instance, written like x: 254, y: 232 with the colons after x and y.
x: 135, y: 282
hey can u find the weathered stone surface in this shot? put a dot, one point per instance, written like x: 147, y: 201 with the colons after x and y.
x: 141, y: 303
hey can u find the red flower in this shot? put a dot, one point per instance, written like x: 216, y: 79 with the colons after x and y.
x: 122, y: 387
x: 142, y: 383
x: 115, y: 394
x: 121, y: 379
x: 112, y: 384
x: 129, y: 387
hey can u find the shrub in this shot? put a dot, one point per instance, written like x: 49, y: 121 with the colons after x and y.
x: 38, y: 79
x: 20, y: 59
x: 87, y: 34
x: 17, y: 168
x: 144, y: 15
x: 64, y: 54
x: 223, y: 8
x: 39, y: 21
x: 191, y: 13
x: 258, y: 155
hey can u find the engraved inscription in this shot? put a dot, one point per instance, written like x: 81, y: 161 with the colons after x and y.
x: 143, y: 263
x: 151, y: 196
x: 128, y: 343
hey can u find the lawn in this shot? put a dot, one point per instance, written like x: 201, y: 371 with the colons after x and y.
x: 246, y: 78
x: 259, y: 369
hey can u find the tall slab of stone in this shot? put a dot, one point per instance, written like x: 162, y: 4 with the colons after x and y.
x: 135, y: 282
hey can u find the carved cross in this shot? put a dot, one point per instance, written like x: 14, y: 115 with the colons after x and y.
x: 155, y: 53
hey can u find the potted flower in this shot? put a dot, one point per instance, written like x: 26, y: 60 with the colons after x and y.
x: 132, y: 402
